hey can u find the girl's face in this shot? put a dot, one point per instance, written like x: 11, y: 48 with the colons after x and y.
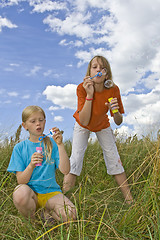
x: 97, y: 66
x: 35, y: 124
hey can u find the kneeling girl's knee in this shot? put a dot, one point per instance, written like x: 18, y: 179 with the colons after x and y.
x: 21, y: 194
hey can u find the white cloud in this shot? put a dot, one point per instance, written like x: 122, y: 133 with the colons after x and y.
x: 13, y: 94
x: 82, y: 6
x: 65, y: 97
x: 38, y: 96
x: 74, y: 24
x: 75, y: 43
x: 5, y: 3
x: 134, y: 102
x: 124, y: 132
x: 50, y: 73
x: 155, y: 63
x: 34, y: 71
x: 9, y: 69
x: 132, y: 34
x: 41, y: 6
x: 58, y: 119
x: 53, y: 108
x: 143, y: 110
x: 2, y: 91
x: 47, y: 73
x: 63, y: 43
x: 27, y: 96
x: 85, y: 56
x: 14, y: 64
x: 4, y: 22
x: 69, y: 65
x: 78, y: 43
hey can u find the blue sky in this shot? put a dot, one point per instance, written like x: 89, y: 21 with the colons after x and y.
x: 45, y: 47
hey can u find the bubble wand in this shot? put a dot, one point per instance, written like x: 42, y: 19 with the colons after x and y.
x: 51, y: 132
x: 107, y: 83
x: 99, y: 74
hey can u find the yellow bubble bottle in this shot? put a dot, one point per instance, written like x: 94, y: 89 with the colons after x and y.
x: 114, y: 110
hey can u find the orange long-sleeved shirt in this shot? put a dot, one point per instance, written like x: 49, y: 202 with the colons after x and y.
x: 99, y: 118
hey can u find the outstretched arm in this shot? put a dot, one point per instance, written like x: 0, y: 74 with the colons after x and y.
x: 64, y: 164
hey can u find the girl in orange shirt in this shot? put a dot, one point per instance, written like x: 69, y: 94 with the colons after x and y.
x: 91, y: 116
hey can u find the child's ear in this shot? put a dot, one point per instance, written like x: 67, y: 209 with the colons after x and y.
x: 24, y: 125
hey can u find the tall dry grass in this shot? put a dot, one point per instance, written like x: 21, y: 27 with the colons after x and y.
x: 102, y: 212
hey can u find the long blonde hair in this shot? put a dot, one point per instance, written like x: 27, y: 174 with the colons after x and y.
x: 27, y: 112
x: 105, y: 65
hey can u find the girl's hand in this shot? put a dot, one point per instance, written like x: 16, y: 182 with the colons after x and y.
x: 118, y: 118
x: 36, y: 158
x: 113, y: 104
x: 57, y: 136
x: 88, y: 85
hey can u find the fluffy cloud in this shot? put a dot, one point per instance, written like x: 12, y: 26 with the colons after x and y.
x: 53, y: 108
x: 26, y: 96
x: 58, y: 119
x: 143, y: 110
x: 83, y: 6
x: 133, y: 53
x: 65, y: 97
x: 4, y: 22
x: 13, y: 94
x: 34, y: 71
x: 76, y: 43
x: 123, y: 132
x: 85, y: 56
x: 5, y: 3
x: 47, y: 5
x: 74, y: 24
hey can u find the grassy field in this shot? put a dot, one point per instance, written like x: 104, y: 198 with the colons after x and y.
x: 102, y: 212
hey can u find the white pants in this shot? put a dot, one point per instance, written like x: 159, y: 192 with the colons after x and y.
x: 107, y: 142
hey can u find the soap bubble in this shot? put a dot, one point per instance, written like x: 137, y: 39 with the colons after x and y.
x: 108, y: 83
x: 140, y: 70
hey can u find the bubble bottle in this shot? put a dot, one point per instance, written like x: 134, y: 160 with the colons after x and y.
x: 113, y: 110
x: 39, y: 150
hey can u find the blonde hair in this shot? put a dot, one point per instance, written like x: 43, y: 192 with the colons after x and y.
x: 105, y: 65
x: 27, y: 112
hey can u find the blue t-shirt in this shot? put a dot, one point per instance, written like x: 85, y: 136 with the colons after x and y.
x: 43, y: 177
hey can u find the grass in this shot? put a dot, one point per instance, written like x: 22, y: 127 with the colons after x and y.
x: 102, y: 212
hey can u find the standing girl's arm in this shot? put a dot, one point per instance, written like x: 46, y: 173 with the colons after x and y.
x: 118, y: 118
x: 85, y: 113
x: 64, y: 164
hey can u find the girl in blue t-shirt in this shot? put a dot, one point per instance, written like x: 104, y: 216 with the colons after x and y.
x: 37, y: 184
